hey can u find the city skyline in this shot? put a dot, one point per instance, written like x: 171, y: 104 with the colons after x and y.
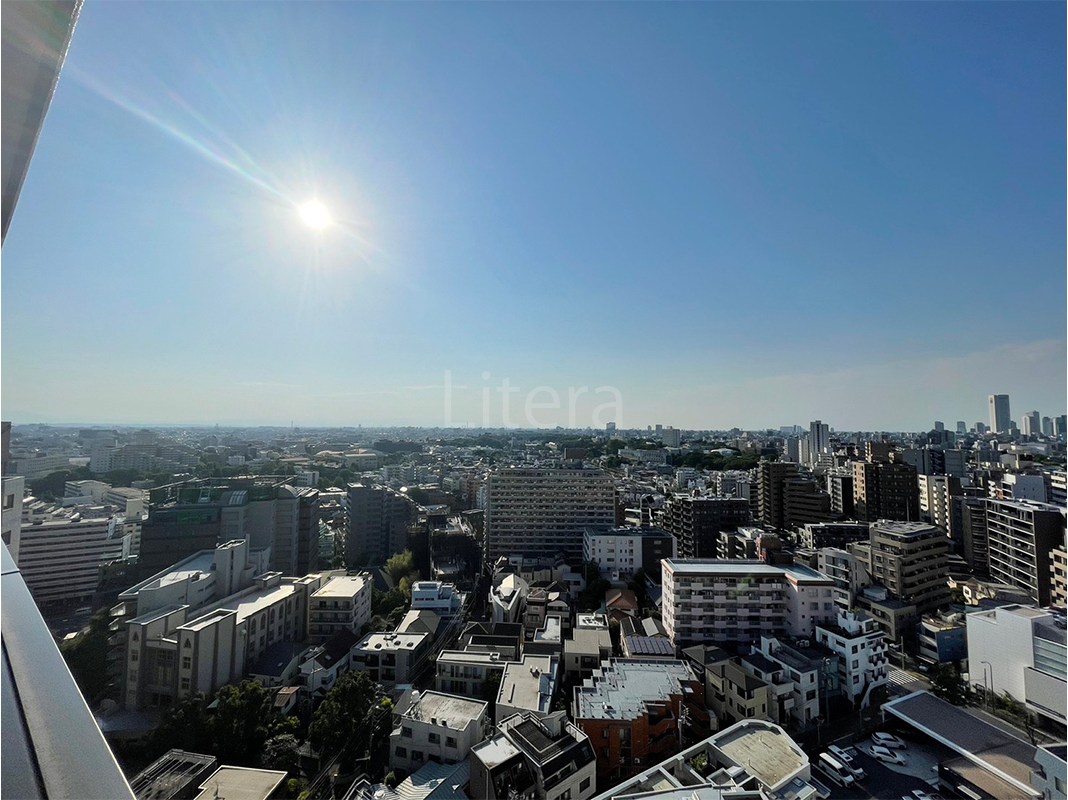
x: 828, y: 203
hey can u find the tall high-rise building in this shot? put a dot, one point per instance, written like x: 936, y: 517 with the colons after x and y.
x: 819, y: 439
x: 1032, y: 423
x: 962, y: 427
x: 184, y: 518
x: 911, y: 559
x: 1021, y: 536
x: 1000, y: 419
x: 772, y: 475
x: 545, y: 511
x: 378, y: 519
x: 936, y: 493
x: 696, y: 522
x: 885, y: 491
x: 939, y: 426
x: 840, y: 488
x: 803, y: 502
x: 1060, y: 425
x: 1047, y: 426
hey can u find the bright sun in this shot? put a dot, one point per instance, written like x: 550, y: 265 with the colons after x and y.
x: 314, y: 214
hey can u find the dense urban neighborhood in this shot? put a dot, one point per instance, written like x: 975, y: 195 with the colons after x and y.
x: 413, y: 613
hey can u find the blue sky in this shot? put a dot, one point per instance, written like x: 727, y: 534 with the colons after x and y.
x: 746, y: 214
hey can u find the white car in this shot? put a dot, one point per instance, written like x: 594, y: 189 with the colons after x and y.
x: 886, y: 754
x: 887, y: 740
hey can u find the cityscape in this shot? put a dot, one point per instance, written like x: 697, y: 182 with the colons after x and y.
x: 565, y: 401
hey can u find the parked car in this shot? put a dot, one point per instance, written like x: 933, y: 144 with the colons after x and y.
x: 886, y: 754
x: 848, y: 761
x: 888, y: 740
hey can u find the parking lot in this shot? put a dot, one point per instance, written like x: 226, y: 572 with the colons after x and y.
x: 887, y: 781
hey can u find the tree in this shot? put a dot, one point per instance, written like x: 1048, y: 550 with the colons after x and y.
x: 947, y: 683
x: 87, y: 657
x: 244, y: 719
x: 400, y: 565
x: 281, y: 752
x: 187, y: 726
x: 345, y: 712
x: 491, y: 687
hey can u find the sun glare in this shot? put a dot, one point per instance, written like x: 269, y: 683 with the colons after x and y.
x: 314, y: 214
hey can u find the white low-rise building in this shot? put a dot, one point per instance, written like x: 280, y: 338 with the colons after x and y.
x: 465, y: 672
x: 441, y: 598
x: 1020, y: 650
x: 393, y: 658
x: 861, y: 648
x: 437, y: 727
x: 344, y: 602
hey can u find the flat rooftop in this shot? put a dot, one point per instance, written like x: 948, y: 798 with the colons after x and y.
x: 623, y: 689
x: 472, y: 657
x: 1005, y: 756
x: 767, y: 754
x: 724, y: 566
x: 248, y: 604
x: 496, y: 751
x: 449, y: 710
x: 528, y: 684
x: 240, y: 783
x: 391, y: 641
x: 341, y: 586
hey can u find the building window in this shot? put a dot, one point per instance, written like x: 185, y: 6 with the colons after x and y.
x: 187, y: 662
x: 402, y: 752
x: 450, y: 741
x: 584, y: 785
x: 435, y: 738
x: 406, y: 732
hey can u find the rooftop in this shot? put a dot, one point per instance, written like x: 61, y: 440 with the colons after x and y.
x: 623, y: 689
x: 529, y: 684
x: 649, y: 646
x: 448, y: 710
x: 588, y: 641
x: 392, y: 641
x: 240, y: 783
x: 342, y: 586
x: 1003, y: 755
x: 766, y: 752
x: 718, y: 566
x: 276, y: 658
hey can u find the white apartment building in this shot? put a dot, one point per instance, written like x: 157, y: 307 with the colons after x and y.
x: 11, y: 527
x: 542, y: 512
x: 464, y: 672
x: 441, y: 598
x: 60, y: 553
x: 621, y: 552
x: 1020, y: 486
x: 1020, y: 650
x: 392, y: 658
x: 437, y: 727
x: 711, y: 600
x: 172, y: 653
x: 31, y: 466
x: 861, y: 649
x: 935, y: 503
x: 92, y: 491
x: 343, y: 602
